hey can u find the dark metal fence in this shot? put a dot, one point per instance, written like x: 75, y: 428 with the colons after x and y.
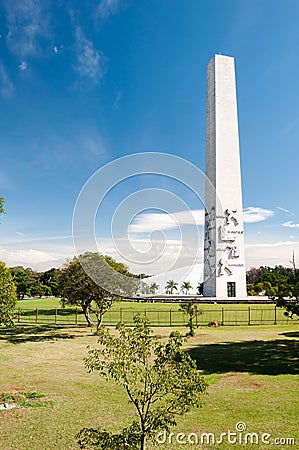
x: 247, y: 315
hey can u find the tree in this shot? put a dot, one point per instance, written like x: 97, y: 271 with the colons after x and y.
x: 186, y: 286
x: 77, y: 288
x: 171, y: 286
x: 252, y: 274
x: 199, y: 288
x: 266, y: 287
x: 8, y: 296
x: 192, y: 311
x: 42, y: 289
x: 289, y: 300
x: 26, y: 281
x: 154, y: 287
x: 160, y: 379
x: 50, y: 279
x: 2, y: 210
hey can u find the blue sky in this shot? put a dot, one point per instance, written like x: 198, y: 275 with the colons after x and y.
x: 84, y: 83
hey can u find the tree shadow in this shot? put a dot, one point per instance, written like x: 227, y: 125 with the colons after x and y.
x: 49, y: 312
x: 257, y: 357
x: 290, y: 334
x: 36, y: 333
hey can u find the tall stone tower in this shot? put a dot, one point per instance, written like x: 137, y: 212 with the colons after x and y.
x: 224, y: 256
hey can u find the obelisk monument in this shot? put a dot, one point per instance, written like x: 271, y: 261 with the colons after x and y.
x: 224, y: 256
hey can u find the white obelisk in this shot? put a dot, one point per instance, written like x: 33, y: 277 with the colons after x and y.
x: 224, y: 256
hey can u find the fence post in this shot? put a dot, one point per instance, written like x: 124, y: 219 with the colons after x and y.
x: 248, y: 315
x: 121, y: 314
x: 76, y: 316
x: 19, y: 314
x: 222, y: 316
x: 55, y: 316
x: 275, y: 315
x: 36, y: 314
x: 196, y: 319
x: 170, y: 321
x: 145, y: 312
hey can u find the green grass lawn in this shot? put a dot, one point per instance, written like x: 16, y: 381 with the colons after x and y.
x: 49, y: 311
x: 253, y: 374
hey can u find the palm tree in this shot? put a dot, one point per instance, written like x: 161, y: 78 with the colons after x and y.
x: 171, y: 285
x: 154, y: 287
x: 186, y: 286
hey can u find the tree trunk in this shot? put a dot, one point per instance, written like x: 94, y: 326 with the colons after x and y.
x: 100, y: 318
x: 86, y: 314
x: 142, y: 442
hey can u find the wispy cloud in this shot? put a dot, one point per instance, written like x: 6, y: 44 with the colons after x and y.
x: 19, y: 233
x: 107, y: 8
x: 24, y: 239
x: 26, y: 23
x: 6, y: 86
x: 272, y: 244
x: 270, y: 253
x: 118, y: 96
x: 146, y: 223
x: 254, y: 214
x: 290, y: 224
x: 91, y: 63
x: 287, y: 211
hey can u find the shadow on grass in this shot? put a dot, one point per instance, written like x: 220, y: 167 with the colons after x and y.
x: 291, y: 334
x: 257, y: 357
x: 35, y: 333
x: 48, y: 312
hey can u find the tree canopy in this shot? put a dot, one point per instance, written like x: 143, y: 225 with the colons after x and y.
x: 2, y: 211
x: 79, y: 289
x: 171, y: 286
x: 8, y: 296
x: 186, y: 286
x: 279, y: 283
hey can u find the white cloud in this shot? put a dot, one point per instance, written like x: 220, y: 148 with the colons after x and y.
x: 91, y: 63
x: 152, y: 256
x: 255, y: 214
x: 6, y: 86
x: 26, y: 23
x: 271, y: 244
x: 36, y: 259
x: 23, y: 66
x: 270, y: 253
x: 146, y: 223
x: 290, y: 224
x: 107, y: 7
